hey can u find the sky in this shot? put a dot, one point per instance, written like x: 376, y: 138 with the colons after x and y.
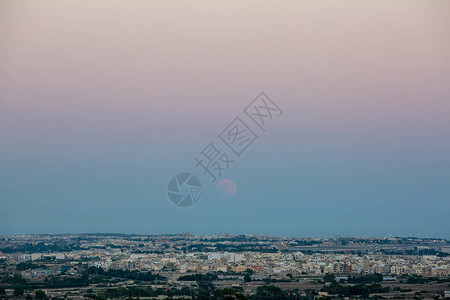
x: 102, y: 102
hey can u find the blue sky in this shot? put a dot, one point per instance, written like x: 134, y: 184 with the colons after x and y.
x: 102, y: 103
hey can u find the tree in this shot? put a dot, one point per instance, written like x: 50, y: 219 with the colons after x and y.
x: 269, y: 292
x: 16, y: 279
x: 18, y: 292
x: 227, y: 293
x: 26, y: 265
x: 2, y: 291
x: 329, y: 278
x: 40, y: 294
x: 247, y: 278
x: 28, y: 297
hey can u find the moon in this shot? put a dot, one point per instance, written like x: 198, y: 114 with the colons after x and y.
x: 226, y: 187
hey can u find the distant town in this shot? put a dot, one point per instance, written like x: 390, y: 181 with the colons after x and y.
x: 185, y: 266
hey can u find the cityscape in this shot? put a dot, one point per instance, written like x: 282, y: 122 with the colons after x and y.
x: 224, y: 150
x: 185, y: 266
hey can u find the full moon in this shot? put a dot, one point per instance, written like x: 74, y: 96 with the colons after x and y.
x: 226, y: 187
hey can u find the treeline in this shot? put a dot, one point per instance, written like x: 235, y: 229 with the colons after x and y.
x: 420, y: 252
x: 199, y: 277
x: 369, y: 278
x: 229, y: 248
x: 357, y: 285
x: 266, y: 292
x: 121, y: 292
x: 27, y: 265
x: 354, y: 290
x: 92, y: 275
x: 18, y: 282
x: 416, y: 279
x: 41, y: 248
x: 15, y: 279
x: 122, y: 274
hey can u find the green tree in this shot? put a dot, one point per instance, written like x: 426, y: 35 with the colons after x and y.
x: 40, y: 294
x: 26, y: 265
x: 329, y: 278
x: 227, y: 293
x: 269, y: 292
x: 18, y: 292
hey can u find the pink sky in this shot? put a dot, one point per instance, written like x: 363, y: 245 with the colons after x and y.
x: 362, y: 83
